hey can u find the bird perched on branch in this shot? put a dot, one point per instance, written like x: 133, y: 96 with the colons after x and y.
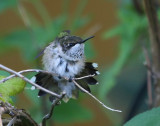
x: 65, y: 58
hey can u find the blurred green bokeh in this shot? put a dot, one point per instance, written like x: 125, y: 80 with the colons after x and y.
x: 122, y: 83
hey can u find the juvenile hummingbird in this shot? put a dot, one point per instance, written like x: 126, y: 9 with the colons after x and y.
x: 65, y: 58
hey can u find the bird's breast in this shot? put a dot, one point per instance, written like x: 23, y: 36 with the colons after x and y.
x: 64, y: 68
x: 68, y: 69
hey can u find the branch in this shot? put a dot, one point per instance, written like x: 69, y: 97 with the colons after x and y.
x: 1, y: 121
x: 37, y: 71
x: 154, y: 31
x: 79, y: 78
x: 29, y: 81
x: 94, y: 97
x: 1, y: 112
x: 155, y: 42
x: 19, y: 116
x: 149, y: 75
x: 138, y: 6
x: 12, y: 122
x: 49, y: 115
x: 21, y: 72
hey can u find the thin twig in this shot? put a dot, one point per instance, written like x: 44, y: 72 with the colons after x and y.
x: 2, y: 110
x: 6, y: 121
x: 13, y: 120
x: 94, y: 97
x: 37, y: 71
x: 149, y: 68
x: 149, y: 82
x: 24, y: 15
x: 93, y: 30
x: 154, y: 75
x: 1, y: 121
x: 49, y: 115
x: 29, y: 81
x: 21, y: 72
x: 19, y: 116
x: 79, y: 78
x: 154, y: 31
x: 27, y: 22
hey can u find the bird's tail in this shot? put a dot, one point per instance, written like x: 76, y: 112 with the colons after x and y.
x: 90, y: 69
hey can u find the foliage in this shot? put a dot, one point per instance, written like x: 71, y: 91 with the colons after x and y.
x: 11, y: 87
x: 148, y: 118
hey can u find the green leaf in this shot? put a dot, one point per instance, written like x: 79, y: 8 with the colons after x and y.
x: 148, y: 118
x: 71, y: 112
x: 12, y: 86
x: 5, y: 98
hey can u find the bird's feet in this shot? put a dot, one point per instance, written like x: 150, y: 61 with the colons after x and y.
x: 59, y: 77
x: 70, y: 79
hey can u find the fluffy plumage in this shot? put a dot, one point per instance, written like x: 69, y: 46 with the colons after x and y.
x: 65, y: 57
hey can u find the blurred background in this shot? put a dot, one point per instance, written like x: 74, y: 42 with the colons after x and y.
x: 120, y: 29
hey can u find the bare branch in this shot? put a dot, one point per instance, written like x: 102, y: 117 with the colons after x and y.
x: 1, y: 112
x: 79, y: 78
x: 149, y: 74
x: 154, y: 31
x: 38, y: 70
x: 94, y: 97
x: 12, y: 122
x: 93, y: 30
x: 21, y: 72
x: 29, y: 81
x: 1, y: 121
x: 49, y: 115
x: 19, y: 116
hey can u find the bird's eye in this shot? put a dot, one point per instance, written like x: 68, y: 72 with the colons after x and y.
x: 70, y: 44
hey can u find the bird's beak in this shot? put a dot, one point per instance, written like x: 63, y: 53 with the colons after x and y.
x: 85, y: 40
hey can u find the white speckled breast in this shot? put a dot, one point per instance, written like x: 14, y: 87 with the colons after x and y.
x: 56, y: 62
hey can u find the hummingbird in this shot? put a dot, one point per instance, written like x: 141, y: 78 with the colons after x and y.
x: 65, y: 57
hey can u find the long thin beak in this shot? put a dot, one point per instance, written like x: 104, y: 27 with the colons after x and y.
x: 86, y: 39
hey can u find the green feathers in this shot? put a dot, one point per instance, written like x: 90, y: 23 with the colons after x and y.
x: 64, y: 33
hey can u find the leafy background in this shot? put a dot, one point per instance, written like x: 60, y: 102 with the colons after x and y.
x: 27, y: 26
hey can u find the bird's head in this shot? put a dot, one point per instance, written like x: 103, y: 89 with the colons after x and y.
x: 71, y: 47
